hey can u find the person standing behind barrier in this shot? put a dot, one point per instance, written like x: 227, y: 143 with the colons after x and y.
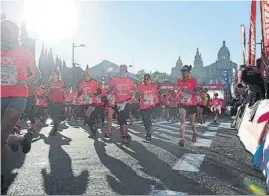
x: 147, y: 93
x: 186, y: 86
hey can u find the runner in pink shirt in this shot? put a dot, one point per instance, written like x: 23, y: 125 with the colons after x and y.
x: 68, y: 107
x: 123, y: 88
x: 90, y: 89
x: 216, y: 106
x: 147, y: 93
x: 187, y: 99
x: 201, y: 102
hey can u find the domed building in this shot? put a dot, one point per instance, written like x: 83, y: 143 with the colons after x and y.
x: 176, y: 71
x: 222, y: 70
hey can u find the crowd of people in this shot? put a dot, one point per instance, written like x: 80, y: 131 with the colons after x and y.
x: 23, y: 97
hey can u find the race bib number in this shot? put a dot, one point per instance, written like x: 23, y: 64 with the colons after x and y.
x: 148, y: 100
x: 88, y: 100
x: 9, y: 75
x: 186, y: 98
x: 121, y: 105
x: 198, y: 99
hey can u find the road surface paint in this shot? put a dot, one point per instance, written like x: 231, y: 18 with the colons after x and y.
x: 190, y: 162
x: 209, y: 134
x: 213, y: 128
x: 225, y: 125
x: 203, y: 143
x: 166, y: 192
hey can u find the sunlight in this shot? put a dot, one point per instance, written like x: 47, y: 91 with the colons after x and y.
x: 51, y: 20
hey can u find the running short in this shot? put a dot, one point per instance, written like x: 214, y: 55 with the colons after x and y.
x: 17, y: 103
x: 189, y: 109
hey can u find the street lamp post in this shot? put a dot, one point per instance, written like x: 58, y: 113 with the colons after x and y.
x: 73, y: 59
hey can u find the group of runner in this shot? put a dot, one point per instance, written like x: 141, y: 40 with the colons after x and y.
x: 90, y: 96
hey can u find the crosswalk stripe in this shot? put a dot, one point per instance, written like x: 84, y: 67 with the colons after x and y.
x: 189, y: 162
x: 209, y: 134
x: 203, y: 142
x: 225, y: 125
x: 213, y: 128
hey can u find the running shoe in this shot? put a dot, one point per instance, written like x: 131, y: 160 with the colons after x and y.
x: 108, y: 134
x: 182, y: 142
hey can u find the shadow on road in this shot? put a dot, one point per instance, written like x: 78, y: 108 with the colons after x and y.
x: 61, y: 180
x: 129, y: 182
x: 15, y: 161
x: 157, y: 168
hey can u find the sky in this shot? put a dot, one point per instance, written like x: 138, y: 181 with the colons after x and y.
x: 148, y: 35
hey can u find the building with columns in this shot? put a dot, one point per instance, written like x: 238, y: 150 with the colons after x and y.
x: 220, y: 71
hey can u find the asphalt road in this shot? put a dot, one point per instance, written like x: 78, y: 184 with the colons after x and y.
x: 71, y: 163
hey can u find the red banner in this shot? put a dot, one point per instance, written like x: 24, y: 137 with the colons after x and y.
x: 252, y: 35
x: 243, y: 38
x: 265, y: 25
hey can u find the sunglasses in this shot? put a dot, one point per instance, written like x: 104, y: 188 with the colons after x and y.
x: 184, y: 70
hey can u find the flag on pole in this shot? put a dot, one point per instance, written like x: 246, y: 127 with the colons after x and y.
x: 244, y: 47
x: 265, y: 25
x: 252, y: 35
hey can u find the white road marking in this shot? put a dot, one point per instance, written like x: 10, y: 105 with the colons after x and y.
x: 133, y: 131
x: 213, y: 128
x: 203, y: 142
x: 189, y: 162
x: 225, y: 125
x: 169, y: 127
x: 209, y: 134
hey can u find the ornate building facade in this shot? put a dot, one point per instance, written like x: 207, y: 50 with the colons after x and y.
x: 219, y: 72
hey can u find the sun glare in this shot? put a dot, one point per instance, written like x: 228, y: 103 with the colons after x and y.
x: 51, y: 20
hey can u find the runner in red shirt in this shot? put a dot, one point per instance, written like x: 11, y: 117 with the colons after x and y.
x: 41, y: 103
x: 68, y: 106
x: 15, y: 60
x: 31, y: 109
x: 216, y: 106
x: 186, y: 86
x: 173, y: 105
x: 101, y: 104
x: 201, y: 104
x: 89, y: 89
x: 123, y: 88
x: 74, y: 103
x: 147, y: 93
x: 56, y: 90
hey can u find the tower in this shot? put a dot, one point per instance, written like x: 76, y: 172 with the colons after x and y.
x: 198, y: 62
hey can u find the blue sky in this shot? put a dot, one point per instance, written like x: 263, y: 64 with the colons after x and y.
x: 150, y: 35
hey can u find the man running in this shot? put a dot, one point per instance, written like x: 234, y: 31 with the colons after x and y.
x: 15, y: 60
x: 124, y: 89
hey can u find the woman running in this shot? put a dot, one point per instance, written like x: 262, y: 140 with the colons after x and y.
x: 89, y: 89
x: 201, y: 102
x: 187, y: 97
x: 216, y: 106
x: 56, y: 90
x: 147, y: 93
x: 15, y: 60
